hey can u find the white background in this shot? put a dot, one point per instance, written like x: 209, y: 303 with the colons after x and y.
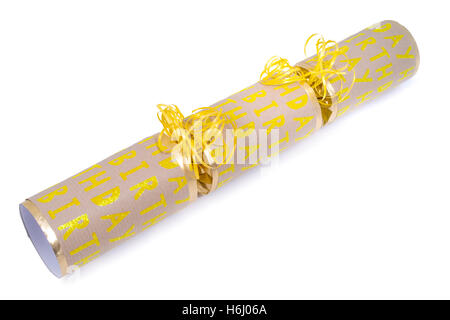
x: 358, y: 210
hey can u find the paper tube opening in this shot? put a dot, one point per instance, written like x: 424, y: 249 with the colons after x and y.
x: 40, y: 241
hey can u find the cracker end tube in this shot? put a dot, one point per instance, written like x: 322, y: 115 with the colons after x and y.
x: 43, y: 238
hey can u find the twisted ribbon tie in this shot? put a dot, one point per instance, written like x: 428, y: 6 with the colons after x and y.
x: 318, y: 76
x: 196, y: 143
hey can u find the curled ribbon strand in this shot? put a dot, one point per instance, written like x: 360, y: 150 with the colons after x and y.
x: 278, y: 71
x: 191, y: 140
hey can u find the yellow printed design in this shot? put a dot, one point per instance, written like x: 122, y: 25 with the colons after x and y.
x: 115, y: 219
x: 181, y: 183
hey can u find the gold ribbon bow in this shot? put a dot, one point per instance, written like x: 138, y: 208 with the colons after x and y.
x: 194, y: 143
x: 318, y: 76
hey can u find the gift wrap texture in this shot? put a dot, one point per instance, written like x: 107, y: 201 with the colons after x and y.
x: 75, y: 221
